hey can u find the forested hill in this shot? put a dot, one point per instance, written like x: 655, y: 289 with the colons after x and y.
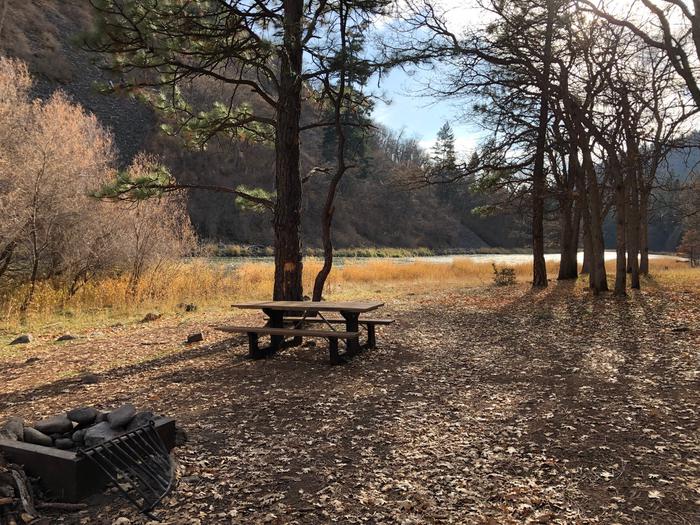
x: 371, y: 209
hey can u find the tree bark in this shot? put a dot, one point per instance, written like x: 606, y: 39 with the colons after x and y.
x: 326, y: 223
x: 620, y: 228
x: 539, y: 266
x: 630, y: 178
x: 570, y: 221
x: 569, y: 217
x: 587, y: 247
x: 19, y: 507
x: 576, y: 234
x: 341, y: 167
x: 633, y: 229
x: 598, y: 278
x: 287, y: 214
x: 644, y: 231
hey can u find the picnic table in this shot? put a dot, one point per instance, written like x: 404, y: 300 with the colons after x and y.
x: 287, y: 319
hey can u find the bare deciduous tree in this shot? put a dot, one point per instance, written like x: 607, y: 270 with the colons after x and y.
x: 53, y: 157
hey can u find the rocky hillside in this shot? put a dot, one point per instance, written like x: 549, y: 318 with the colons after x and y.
x: 41, y: 32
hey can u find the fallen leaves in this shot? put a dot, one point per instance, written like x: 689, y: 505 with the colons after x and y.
x: 480, y: 412
x: 654, y: 494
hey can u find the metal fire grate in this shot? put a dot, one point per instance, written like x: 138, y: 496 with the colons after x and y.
x: 138, y: 464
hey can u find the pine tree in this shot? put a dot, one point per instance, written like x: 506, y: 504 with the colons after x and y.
x: 444, y: 157
x: 267, y: 49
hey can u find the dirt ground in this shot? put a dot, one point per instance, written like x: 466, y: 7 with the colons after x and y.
x: 483, y: 405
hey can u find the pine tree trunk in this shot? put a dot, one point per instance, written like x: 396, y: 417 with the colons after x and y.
x: 328, y: 208
x: 539, y: 266
x: 325, y: 270
x: 287, y: 219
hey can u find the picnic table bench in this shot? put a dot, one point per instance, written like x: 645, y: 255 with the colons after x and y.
x: 369, y: 325
x: 287, y: 319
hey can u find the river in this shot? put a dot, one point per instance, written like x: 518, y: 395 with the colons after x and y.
x: 499, y: 258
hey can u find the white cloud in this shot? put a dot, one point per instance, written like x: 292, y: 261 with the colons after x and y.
x: 422, y: 116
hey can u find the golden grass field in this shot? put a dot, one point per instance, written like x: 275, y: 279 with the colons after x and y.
x: 213, y: 285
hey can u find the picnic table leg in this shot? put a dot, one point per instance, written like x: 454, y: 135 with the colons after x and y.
x: 276, y: 320
x: 371, y: 336
x: 352, y: 324
x: 333, y: 350
x: 253, y: 348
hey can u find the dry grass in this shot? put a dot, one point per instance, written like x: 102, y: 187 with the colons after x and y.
x: 214, y: 286
x: 674, y: 275
x: 110, y: 300
x: 34, y: 31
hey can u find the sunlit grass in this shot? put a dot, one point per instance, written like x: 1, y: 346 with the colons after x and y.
x: 213, y: 287
x: 675, y: 275
x: 111, y: 300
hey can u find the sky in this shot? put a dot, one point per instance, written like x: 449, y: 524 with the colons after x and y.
x: 422, y: 116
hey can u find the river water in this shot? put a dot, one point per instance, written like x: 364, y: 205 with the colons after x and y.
x: 499, y: 258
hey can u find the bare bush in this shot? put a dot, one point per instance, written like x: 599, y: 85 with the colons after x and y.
x: 15, y: 83
x: 53, y: 156
x: 155, y: 229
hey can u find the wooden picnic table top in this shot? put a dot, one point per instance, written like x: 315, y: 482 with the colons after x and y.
x: 314, y: 306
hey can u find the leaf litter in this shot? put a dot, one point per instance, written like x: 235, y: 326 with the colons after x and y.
x: 494, y: 406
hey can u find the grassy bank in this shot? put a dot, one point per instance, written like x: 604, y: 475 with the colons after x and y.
x: 213, y: 286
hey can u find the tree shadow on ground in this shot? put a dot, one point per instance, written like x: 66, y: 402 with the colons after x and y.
x: 605, y: 401
x: 62, y: 385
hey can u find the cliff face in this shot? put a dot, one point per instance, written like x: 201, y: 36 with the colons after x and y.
x: 371, y: 210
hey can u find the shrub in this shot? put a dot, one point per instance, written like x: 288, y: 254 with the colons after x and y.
x: 503, y: 276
